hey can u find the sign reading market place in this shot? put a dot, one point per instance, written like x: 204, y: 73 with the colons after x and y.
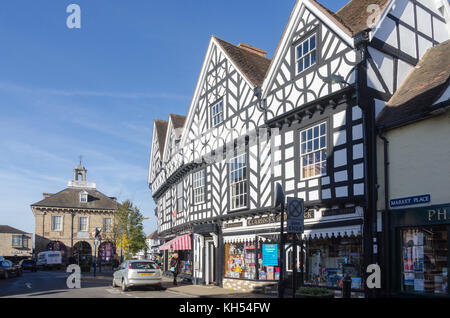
x: 420, y: 199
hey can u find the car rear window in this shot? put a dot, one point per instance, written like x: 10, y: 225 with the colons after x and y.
x: 143, y: 265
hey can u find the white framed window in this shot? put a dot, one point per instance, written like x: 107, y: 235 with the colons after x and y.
x: 199, y: 186
x: 238, y: 182
x: 17, y: 241
x: 84, y: 197
x: 180, y: 198
x: 306, y: 54
x: 107, y: 224
x: 56, y: 223
x: 83, y: 224
x: 313, y: 151
x: 217, y: 113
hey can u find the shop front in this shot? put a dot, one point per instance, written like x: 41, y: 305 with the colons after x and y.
x: 182, y: 245
x: 420, y: 251
x: 252, y: 255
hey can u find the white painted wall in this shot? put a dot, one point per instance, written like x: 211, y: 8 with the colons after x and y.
x: 419, y: 156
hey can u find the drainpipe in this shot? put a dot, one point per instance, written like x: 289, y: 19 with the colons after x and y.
x: 386, y: 217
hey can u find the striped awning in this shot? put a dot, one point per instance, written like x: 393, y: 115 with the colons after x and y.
x: 180, y: 243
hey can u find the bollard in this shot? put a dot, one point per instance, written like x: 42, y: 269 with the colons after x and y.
x: 346, y: 287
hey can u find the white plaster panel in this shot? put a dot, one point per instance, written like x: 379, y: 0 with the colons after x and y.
x: 358, y: 151
x: 423, y: 21
x: 341, y: 192
x: 358, y: 189
x: 325, y: 181
x: 289, y: 137
x: 340, y: 158
x: 313, y: 195
x: 407, y: 41
x: 356, y: 113
x: 358, y: 171
x: 339, y: 119
x: 326, y: 194
x: 340, y: 176
x: 313, y: 183
x: 357, y: 132
x: 289, y: 169
x: 339, y: 138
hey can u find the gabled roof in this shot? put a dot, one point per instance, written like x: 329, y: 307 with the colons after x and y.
x: 252, y: 65
x: 421, y: 88
x: 177, y: 121
x: 161, y: 130
x: 70, y: 198
x: 10, y: 230
x: 354, y: 14
x: 153, y: 236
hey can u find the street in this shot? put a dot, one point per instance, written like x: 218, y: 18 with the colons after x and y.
x: 52, y: 284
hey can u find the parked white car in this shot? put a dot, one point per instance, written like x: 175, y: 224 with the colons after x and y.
x: 137, y: 273
x: 49, y: 259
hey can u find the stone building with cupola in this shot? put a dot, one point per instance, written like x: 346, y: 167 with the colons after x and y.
x: 64, y: 221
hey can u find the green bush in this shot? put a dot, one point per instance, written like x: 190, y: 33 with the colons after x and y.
x: 314, y: 291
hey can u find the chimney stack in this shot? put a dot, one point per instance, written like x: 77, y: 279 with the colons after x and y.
x: 253, y: 49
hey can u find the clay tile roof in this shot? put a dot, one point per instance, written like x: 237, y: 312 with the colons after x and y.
x: 154, y: 235
x: 10, y: 230
x: 161, y: 129
x: 421, y: 88
x: 354, y: 14
x: 70, y: 198
x: 252, y: 65
x: 177, y: 120
x: 335, y: 18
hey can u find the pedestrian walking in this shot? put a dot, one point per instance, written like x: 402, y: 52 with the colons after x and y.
x: 175, y: 267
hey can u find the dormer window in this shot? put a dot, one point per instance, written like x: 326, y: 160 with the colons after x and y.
x: 217, y: 113
x: 306, y: 54
x: 83, y: 197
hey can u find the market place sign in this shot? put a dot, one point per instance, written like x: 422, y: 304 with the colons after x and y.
x: 420, y: 199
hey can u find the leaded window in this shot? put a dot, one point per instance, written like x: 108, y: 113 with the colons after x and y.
x: 199, y: 187
x: 238, y: 182
x: 306, y: 54
x: 217, y: 113
x: 314, y: 151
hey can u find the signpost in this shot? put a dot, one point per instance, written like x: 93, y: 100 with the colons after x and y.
x: 295, y: 225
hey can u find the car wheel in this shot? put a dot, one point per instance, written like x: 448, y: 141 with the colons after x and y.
x: 114, y: 283
x: 19, y: 273
x: 6, y: 275
x: 124, y: 286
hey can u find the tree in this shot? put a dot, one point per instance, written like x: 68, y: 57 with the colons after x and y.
x: 128, y: 230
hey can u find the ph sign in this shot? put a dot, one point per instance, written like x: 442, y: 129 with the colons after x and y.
x: 295, y: 215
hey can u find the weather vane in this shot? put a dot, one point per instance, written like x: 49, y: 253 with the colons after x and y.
x: 81, y: 157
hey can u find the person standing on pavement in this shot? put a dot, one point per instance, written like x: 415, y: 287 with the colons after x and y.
x: 175, y: 267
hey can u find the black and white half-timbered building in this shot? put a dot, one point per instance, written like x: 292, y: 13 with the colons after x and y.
x: 304, y: 119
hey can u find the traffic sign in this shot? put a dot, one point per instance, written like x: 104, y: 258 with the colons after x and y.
x: 295, y: 215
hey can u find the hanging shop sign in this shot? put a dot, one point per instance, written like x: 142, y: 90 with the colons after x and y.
x: 270, y: 255
x: 419, y: 199
x: 295, y: 215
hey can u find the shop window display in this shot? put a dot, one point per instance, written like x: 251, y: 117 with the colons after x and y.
x: 425, y: 260
x: 185, y: 261
x: 329, y: 260
x: 240, y: 260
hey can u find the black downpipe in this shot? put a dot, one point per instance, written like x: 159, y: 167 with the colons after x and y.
x: 386, y: 219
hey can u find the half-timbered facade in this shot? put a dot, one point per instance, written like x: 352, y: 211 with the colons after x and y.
x: 304, y: 119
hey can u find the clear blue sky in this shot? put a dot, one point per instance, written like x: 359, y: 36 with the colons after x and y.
x: 96, y: 91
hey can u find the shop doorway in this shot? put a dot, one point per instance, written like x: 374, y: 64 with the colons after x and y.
x: 210, y: 264
x: 82, y: 253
